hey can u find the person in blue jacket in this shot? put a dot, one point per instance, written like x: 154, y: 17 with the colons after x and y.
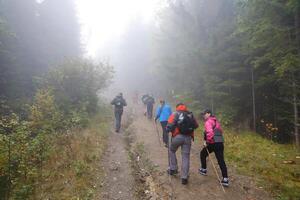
x: 163, y: 113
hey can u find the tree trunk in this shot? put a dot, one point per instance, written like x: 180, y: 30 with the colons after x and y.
x: 295, y: 103
x: 296, y: 125
x: 253, y: 99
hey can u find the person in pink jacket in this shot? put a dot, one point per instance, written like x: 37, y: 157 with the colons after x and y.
x: 213, y: 142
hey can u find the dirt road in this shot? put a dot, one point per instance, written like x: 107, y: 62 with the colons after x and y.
x: 161, y: 186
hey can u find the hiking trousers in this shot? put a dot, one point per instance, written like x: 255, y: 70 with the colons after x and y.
x: 185, y: 142
x: 150, y: 110
x: 165, y: 133
x: 218, y: 149
x: 118, y: 118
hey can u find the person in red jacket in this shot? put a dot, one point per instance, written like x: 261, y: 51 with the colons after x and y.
x: 213, y: 142
x: 182, y: 125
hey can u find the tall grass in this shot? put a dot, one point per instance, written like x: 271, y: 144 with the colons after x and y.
x: 73, y: 170
x: 264, y: 160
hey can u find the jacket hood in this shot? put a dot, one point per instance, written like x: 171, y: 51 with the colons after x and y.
x: 181, y: 108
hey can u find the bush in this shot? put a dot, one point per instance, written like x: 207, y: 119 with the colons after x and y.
x: 76, y: 83
x: 66, y: 99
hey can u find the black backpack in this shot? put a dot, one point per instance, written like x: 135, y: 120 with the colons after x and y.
x: 185, y: 122
x: 119, y: 102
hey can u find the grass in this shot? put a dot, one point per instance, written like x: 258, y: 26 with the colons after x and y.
x: 263, y: 159
x: 73, y: 170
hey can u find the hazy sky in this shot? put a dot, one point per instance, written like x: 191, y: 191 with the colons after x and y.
x: 106, y: 20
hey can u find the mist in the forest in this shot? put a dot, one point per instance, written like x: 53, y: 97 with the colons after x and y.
x: 239, y: 58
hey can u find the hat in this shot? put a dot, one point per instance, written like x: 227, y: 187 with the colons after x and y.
x: 179, y: 104
x: 206, y: 111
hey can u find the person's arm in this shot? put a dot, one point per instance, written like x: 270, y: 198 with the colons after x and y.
x: 196, y: 125
x: 171, y: 123
x: 124, y: 102
x: 113, y: 102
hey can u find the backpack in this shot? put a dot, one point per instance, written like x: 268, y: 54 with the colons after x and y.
x: 218, y: 136
x: 186, y: 123
x: 119, y: 102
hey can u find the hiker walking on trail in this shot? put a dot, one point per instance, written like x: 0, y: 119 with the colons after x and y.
x: 163, y: 113
x: 213, y: 142
x: 144, y: 98
x: 119, y: 102
x: 182, y: 125
x: 149, y: 103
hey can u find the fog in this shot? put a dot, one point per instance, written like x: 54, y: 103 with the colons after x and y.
x: 238, y: 57
x: 122, y: 33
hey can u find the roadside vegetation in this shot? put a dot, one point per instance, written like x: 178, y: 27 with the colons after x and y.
x: 53, y: 129
x: 72, y: 170
x: 275, y: 167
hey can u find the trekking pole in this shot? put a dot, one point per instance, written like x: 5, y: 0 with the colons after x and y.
x: 169, y: 160
x: 157, y: 131
x: 215, y: 169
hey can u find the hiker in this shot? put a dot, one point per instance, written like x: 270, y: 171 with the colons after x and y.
x: 144, y: 98
x: 163, y: 113
x: 119, y: 102
x: 182, y: 125
x: 149, y: 103
x: 213, y: 142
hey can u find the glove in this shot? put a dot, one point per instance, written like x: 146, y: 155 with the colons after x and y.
x: 204, y: 144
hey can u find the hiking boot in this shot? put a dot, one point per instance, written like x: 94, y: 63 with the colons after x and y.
x: 203, y: 171
x: 184, y: 181
x: 172, y: 172
x: 225, y: 182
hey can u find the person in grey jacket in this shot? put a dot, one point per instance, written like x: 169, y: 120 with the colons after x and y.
x: 118, y: 102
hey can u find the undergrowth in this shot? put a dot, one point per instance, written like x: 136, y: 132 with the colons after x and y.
x: 73, y: 168
x: 266, y: 162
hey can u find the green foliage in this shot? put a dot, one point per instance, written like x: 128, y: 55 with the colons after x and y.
x: 209, y: 48
x: 266, y: 163
x: 226, y: 115
x: 44, y: 114
x: 76, y: 82
x: 80, y: 168
x: 66, y: 100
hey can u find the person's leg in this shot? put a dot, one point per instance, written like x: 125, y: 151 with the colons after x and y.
x: 148, y: 110
x: 185, y: 154
x: 118, y: 115
x: 120, y: 121
x: 151, y: 111
x: 203, y: 156
x: 165, y: 134
x: 219, y: 152
x: 176, y: 142
x: 116, y: 120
